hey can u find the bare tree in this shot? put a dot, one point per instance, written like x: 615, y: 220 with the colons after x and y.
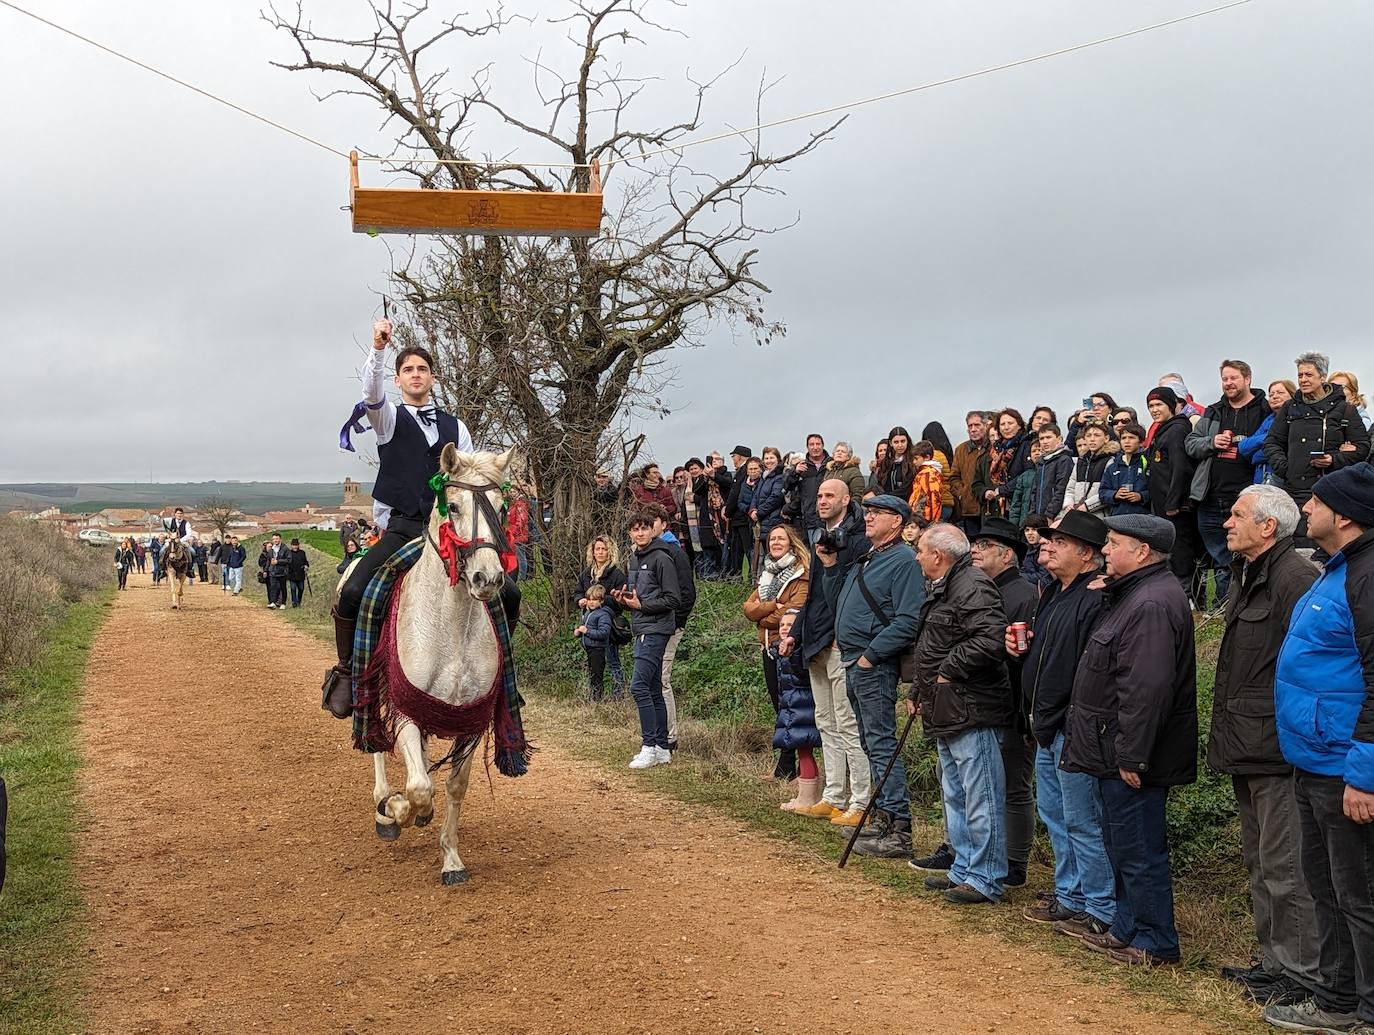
x: 219, y: 511
x: 556, y: 343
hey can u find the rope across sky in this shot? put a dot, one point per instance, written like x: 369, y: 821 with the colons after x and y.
x: 671, y: 149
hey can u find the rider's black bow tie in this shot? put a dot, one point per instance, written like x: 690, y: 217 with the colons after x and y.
x: 426, y: 417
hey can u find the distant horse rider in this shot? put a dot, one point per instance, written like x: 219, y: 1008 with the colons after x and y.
x: 410, y: 438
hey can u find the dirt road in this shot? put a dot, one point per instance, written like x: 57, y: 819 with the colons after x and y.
x: 236, y: 883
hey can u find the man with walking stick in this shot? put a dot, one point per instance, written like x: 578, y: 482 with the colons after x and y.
x: 876, y: 602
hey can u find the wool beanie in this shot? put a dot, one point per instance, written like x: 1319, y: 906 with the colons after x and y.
x: 1349, y: 491
x: 1165, y: 395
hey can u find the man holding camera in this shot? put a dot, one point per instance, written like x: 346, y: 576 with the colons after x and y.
x: 877, y: 604
x: 848, y: 782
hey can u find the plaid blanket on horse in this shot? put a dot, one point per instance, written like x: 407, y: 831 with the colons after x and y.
x: 374, y: 667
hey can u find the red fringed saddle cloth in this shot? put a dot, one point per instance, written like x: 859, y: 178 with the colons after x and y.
x: 383, y: 694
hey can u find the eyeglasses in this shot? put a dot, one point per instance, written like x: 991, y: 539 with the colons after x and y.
x: 982, y: 544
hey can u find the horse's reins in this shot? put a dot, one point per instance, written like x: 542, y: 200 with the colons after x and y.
x: 466, y: 548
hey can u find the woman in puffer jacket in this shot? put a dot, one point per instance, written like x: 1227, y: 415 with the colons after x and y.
x: 783, y: 584
x: 768, y: 495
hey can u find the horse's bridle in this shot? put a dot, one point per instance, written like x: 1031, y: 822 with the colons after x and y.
x: 469, y: 547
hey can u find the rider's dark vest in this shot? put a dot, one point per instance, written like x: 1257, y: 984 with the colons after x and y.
x: 177, y: 528
x: 408, y: 462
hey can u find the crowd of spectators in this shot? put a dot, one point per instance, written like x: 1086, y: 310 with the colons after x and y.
x: 1036, y: 589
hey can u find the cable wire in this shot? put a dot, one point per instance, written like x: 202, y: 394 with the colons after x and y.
x: 172, y: 78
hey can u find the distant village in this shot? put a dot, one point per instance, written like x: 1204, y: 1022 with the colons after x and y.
x: 141, y: 522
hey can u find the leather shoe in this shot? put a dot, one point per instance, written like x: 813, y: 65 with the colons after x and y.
x: 966, y: 895
x: 939, y: 882
x: 1139, y: 957
x: 1098, y: 942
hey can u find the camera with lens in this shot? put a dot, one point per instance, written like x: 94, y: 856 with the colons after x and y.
x: 832, y: 539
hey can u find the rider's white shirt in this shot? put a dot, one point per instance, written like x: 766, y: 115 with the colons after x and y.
x: 190, y: 538
x: 383, y: 419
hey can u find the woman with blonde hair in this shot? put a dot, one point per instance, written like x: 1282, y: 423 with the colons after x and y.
x: 1351, y: 384
x: 603, y: 569
x: 783, y: 584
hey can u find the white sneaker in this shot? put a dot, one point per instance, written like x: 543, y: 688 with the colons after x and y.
x: 662, y: 756
x: 647, y: 757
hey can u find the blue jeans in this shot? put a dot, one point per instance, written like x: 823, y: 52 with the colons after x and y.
x: 1083, y: 878
x: 1209, y: 521
x: 1133, y: 828
x: 646, y: 687
x: 975, y: 788
x: 233, y: 579
x: 297, y: 591
x: 873, y: 696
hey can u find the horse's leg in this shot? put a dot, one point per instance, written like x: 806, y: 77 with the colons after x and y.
x: 418, y: 799
x: 451, y: 869
x: 387, y: 829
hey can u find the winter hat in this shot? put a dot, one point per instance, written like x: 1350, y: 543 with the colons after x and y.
x: 1155, y: 532
x: 1349, y: 491
x: 1165, y: 395
x: 892, y: 504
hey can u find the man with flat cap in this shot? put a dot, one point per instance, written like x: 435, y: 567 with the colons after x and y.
x: 1324, y: 701
x: 877, y: 604
x: 1067, y: 614
x: 1132, y: 724
x: 998, y: 550
x: 739, y: 538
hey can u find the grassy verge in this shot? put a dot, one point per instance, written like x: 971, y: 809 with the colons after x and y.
x: 41, y: 909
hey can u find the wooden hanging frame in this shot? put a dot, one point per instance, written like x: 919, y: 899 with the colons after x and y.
x: 489, y: 213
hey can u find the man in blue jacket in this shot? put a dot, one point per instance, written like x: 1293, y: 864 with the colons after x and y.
x: 1324, y: 703
x: 877, y: 603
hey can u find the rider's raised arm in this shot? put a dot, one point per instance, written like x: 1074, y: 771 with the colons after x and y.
x: 373, y: 377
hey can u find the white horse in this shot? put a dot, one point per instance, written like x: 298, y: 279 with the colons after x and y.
x: 446, y: 645
x: 176, y: 564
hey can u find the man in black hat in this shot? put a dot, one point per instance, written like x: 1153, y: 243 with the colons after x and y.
x: 1084, y: 886
x: 877, y: 604
x: 1133, y: 726
x: 1324, y: 706
x: 997, y: 551
x: 737, y: 548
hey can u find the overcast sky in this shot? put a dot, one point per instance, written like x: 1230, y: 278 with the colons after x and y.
x: 183, y: 299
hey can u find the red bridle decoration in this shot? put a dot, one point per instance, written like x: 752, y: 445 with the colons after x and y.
x: 451, y: 547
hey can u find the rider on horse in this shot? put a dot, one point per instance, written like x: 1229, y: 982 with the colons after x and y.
x: 410, y: 438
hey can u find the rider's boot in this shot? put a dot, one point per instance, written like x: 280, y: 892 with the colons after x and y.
x: 337, y: 695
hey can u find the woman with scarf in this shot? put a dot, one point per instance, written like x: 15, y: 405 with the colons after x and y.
x: 1005, y: 461
x: 897, y: 470
x: 783, y: 584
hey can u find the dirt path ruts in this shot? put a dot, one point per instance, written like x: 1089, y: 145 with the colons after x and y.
x: 236, y: 884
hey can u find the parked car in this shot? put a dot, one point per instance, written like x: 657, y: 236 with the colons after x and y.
x: 96, y: 537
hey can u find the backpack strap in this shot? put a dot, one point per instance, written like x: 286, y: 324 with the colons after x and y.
x: 874, y: 606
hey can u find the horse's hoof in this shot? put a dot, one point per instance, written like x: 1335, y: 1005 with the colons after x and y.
x: 388, y: 831
x: 423, y: 821
x: 452, y: 877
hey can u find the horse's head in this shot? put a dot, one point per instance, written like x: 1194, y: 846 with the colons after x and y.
x: 469, y: 489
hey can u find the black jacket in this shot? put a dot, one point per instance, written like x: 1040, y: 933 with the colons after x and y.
x: 297, y: 564
x: 1302, y: 428
x: 738, y: 518
x: 803, y: 489
x: 277, y: 567
x: 1244, y: 740
x: 653, y: 576
x: 1171, y: 469
x: 611, y: 578
x: 1063, y: 621
x: 233, y: 556
x: 814, y: 628
x: 1134, y: 703
x: 962, y: 638
x: 700, y: 488
x: 1019, y: 597
x: 686, y: 583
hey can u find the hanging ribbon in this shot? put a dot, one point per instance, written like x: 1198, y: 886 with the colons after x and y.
x: 450, y: 550
x: 355, y: 423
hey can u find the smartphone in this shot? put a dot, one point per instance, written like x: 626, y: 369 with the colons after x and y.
x: 1088, y: 404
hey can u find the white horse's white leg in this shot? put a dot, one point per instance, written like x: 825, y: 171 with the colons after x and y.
x: 387, y: 829
x: 417, y: 804
x: 451, y: 868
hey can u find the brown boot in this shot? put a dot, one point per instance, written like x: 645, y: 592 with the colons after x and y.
x: 336, y: 696
x: 808, y: 795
